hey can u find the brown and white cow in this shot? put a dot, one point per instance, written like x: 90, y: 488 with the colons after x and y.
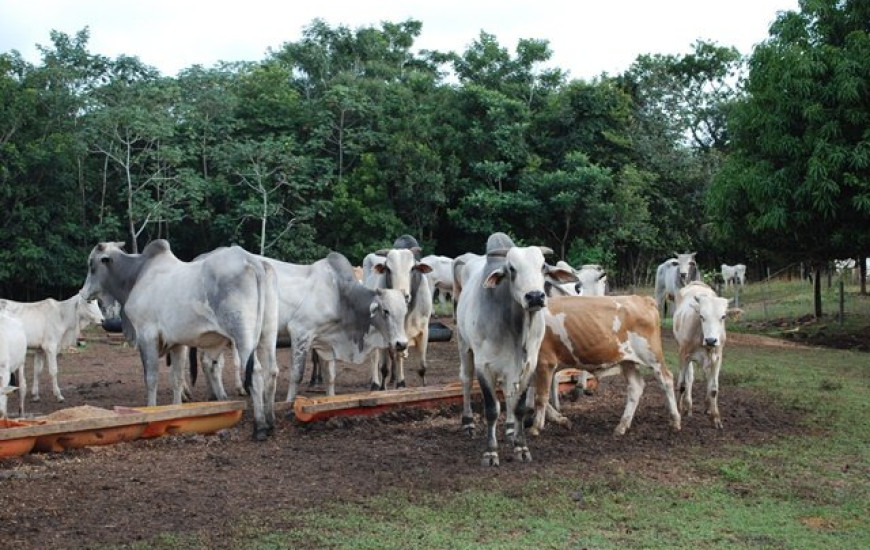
x: 51, y: 327
x: 596, y: 333
x: 699, y: 327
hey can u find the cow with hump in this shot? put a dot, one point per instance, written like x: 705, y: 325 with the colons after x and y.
x: 325, y: 309
x: 598, y: 333
x: 699, y: 328
x: 672, y: 275
x: 52, y: 326
x: 227, y: 298
x: 500, y: 325
x: 400, y: 268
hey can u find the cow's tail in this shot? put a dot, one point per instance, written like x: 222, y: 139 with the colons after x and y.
x: 265, y: 278
x: 193, y: 360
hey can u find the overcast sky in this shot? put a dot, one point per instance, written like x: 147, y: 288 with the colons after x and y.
x: 587, y: 37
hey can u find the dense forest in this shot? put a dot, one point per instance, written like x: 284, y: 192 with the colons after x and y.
x: 347, y: 138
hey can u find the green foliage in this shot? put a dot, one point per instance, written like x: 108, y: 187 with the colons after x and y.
x: 800, y: 138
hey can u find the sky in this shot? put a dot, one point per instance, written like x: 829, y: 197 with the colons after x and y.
x: 587, y: 37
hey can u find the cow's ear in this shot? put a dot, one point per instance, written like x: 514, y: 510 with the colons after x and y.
x: 379, y: 267
x: 120, y: 244
x: 557, y: 275
x: 423, y: 268
x: 493, y: 279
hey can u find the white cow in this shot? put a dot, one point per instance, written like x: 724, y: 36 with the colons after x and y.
x: 699, y: 328
x: 51, y: 327
x: 592, y: 281
x: 323, y: 308
x: 500, y: 325
x: 734, y: 275
x: 13, y: 354
x: 227, y: 298
x: 398, y: 268
x: 671, y: 276
x: 441, y: 276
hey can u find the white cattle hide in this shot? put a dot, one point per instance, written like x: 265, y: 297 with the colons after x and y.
x: 51, y: 327
x: 13, y: 354
x: 699, y: 328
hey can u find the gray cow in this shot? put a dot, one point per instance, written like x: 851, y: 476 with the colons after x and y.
x: 228, y: 298
x: 500, y: 326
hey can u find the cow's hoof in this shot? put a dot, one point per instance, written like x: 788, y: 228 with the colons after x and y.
x: 400, y: 385
x: 620, y: 429
x: 375, y: 387
x: 490, y: 459
x: 522, y: 454
x: 35, y: 399
x: 717, y: 423
x: 468, y: 426
x: 59, y: 398
x: 533, y: 431
x: 261, y: 434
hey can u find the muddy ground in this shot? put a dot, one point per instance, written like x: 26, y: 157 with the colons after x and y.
x: 210, y: 485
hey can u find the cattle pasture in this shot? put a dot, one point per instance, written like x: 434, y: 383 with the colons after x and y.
x: 789, y: 469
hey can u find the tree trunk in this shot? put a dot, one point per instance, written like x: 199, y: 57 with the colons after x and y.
x: 862, y: 275
x: 817, y: 291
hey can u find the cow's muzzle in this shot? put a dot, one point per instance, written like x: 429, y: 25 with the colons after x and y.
x: 711, y: 342
x: 535, y: 300
x: 401, y: 346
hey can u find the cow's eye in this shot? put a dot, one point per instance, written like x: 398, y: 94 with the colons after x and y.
x: 513, y: 272
x: 386, y: 312
x: 702, y: 318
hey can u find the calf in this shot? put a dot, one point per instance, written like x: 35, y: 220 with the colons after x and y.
x: 597, y: 333
x: 13, y: 354
x: 699, y: 328
x: 400, y: 269
x: 51, y: 327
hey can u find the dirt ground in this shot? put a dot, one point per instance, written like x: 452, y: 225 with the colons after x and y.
x: 209, y: 485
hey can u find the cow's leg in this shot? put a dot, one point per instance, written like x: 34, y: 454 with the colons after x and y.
x: 268, y: 360
x: 213, y: 367
x: 256, y: 390
x: 491, y: 410
x: 240, y: 385
x: 543, y: 377
x: 422, y: 349
x: 298, y: 353
x: 375, y: 370
x: 521, y: 448
x: 634, y: 390
x: 51, y: 360
x: 330, y: 376
x: 22, y: 391
x: 712, y: 400
x: 38, y: 360
x: 150, y: 364
x: 399, y: 367
x: 666, y: 382
x: 179, y: 361
x: 316, y: 370
x: 686, y: 380
x: 466, y: 373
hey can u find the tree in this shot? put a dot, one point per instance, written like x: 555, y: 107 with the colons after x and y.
x: 797, y: 185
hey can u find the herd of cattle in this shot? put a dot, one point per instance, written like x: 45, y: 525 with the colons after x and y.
x: 518, y: 320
